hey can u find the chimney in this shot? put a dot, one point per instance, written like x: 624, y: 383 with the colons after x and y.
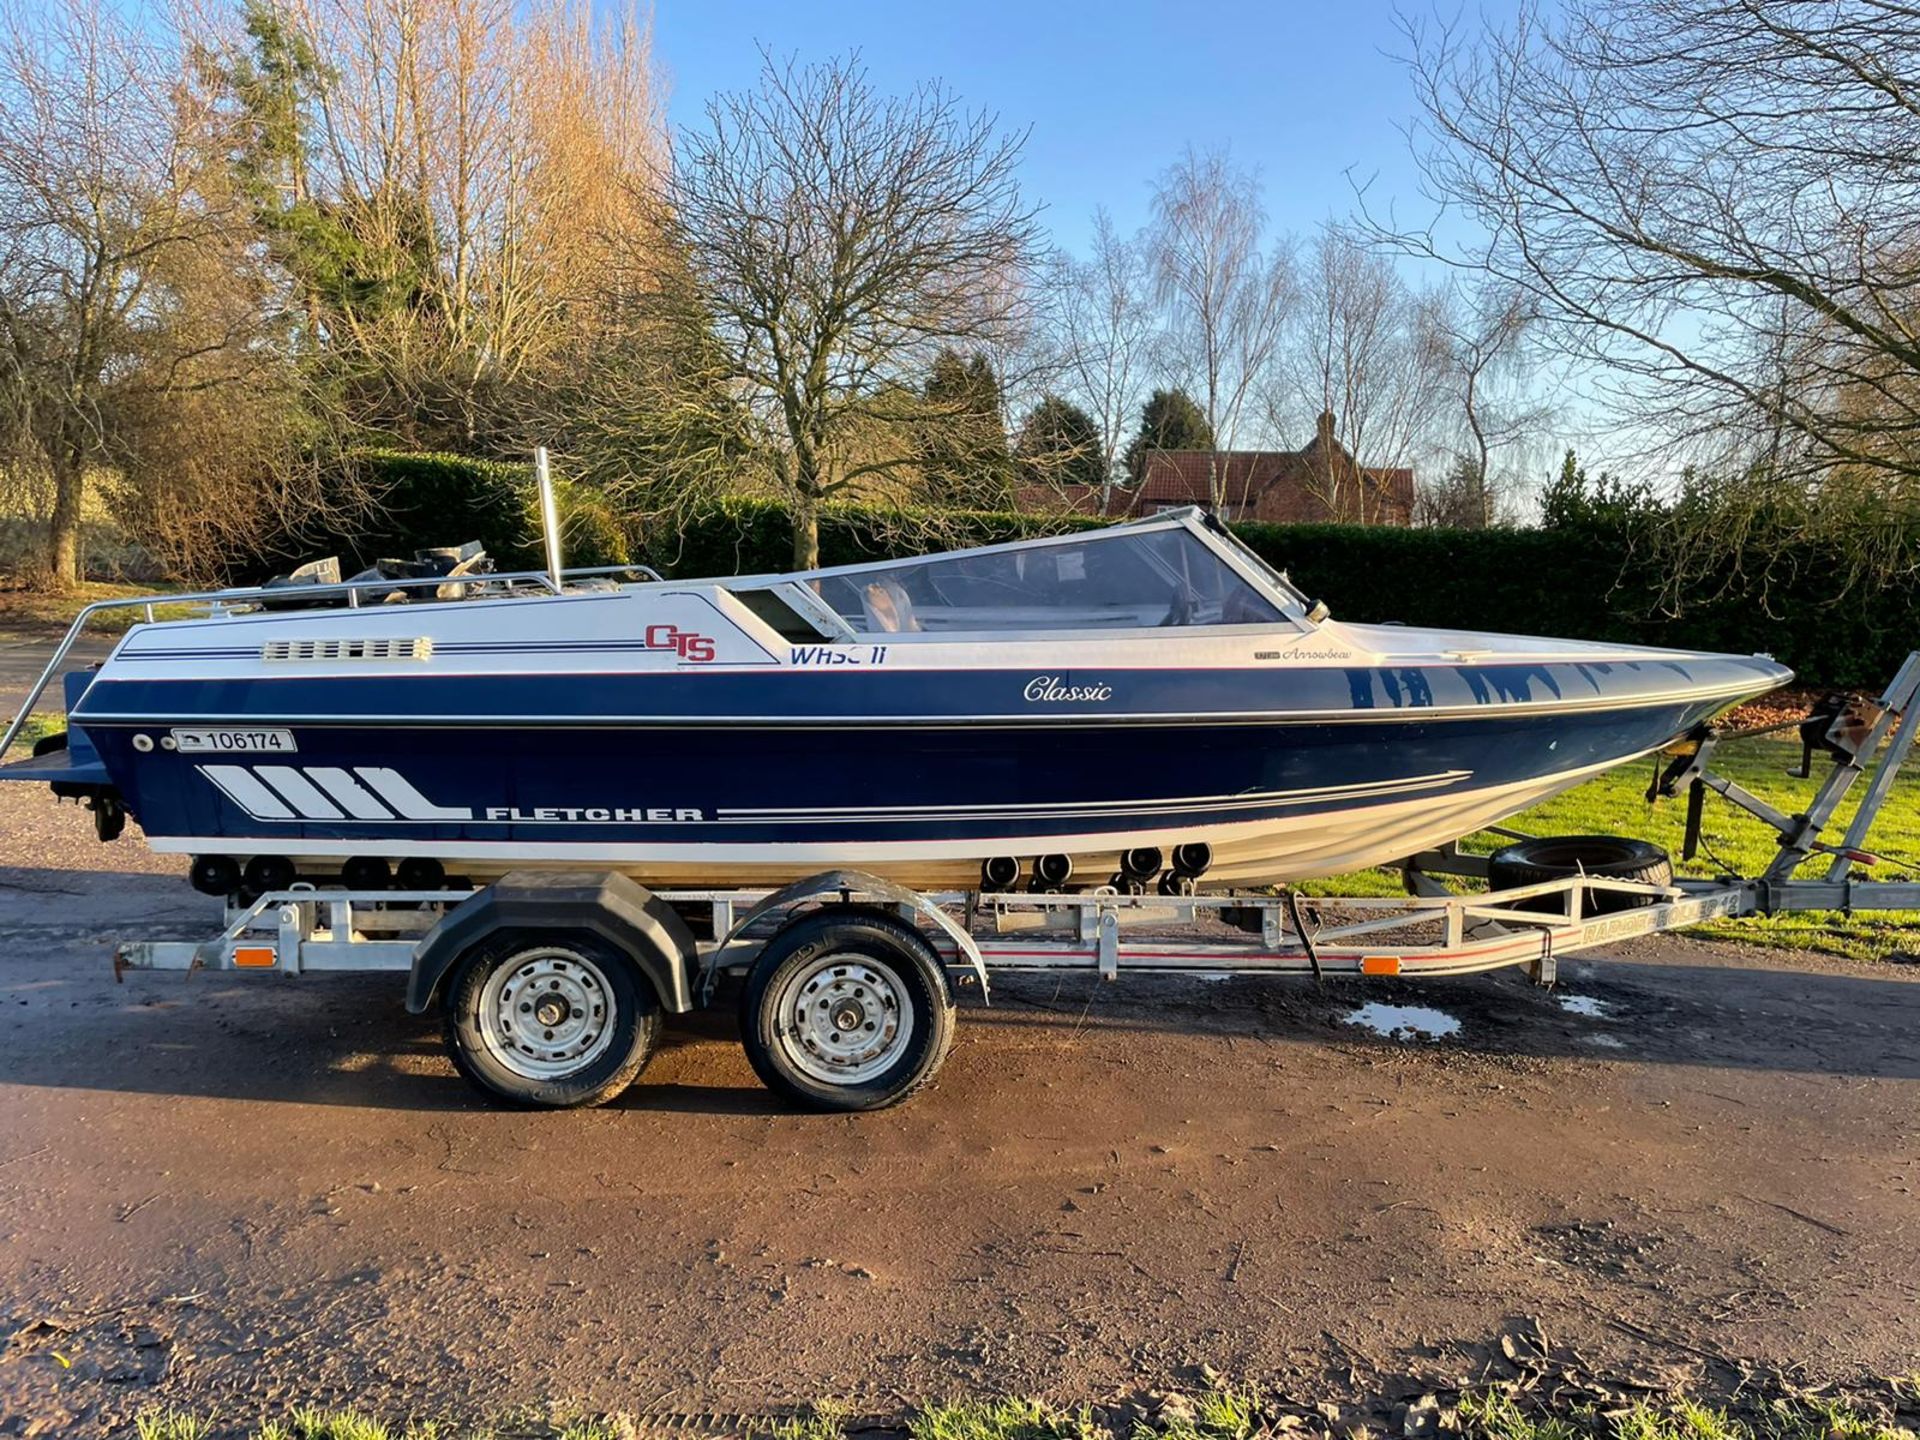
x: 1323, y: 430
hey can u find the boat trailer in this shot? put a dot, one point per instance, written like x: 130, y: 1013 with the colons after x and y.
x: 553, y: 984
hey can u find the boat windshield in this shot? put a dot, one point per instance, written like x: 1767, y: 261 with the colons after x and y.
x: 1114, y: 579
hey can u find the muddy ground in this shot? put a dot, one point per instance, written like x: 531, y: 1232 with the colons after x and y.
x: 231, y: 1192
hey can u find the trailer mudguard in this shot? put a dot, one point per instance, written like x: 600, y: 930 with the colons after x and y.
x: 611, y: 906
x: 847, y: 884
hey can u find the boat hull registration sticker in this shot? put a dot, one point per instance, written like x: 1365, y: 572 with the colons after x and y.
x: 228, y: 740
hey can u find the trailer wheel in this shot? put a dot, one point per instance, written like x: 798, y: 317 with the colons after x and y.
x: 847, y: 1010
x: 550, y: 1019
x: 1556, y: 857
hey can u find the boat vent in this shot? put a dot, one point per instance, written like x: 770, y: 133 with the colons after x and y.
x: 414, y: 649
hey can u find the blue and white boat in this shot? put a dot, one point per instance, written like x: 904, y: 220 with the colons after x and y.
x: 1150, y: 686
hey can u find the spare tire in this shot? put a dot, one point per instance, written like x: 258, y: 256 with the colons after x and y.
x: 1555, y: 857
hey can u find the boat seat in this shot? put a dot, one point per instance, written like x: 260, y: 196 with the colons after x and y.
x: 889, y: 608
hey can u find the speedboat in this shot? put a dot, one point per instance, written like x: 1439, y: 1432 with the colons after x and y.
x: 1148, y: 697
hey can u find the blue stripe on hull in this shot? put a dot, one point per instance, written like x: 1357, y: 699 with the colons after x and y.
x: 801, y: 696
x: 847, y: 784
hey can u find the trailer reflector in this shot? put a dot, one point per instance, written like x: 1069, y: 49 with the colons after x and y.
x: 1379, y: 964
x: 253, y: 957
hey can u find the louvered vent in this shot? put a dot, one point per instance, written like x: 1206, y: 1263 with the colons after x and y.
x: 416, y: 649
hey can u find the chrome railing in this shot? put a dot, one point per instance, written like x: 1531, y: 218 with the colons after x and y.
x: 296, y: 597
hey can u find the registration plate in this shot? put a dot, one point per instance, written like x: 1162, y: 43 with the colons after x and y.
x: 229, y: 741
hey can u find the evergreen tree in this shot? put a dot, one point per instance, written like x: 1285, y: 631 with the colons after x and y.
x: 1457, y: 501
x: 1170, y: 420
x: 964, y: 453
x: 338, y: 279
x: 1573, y: 500
x: 1059, y: 444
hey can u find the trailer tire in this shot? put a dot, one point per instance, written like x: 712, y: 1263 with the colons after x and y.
x: 574, y: 1021
x: 1556, y: 857
x: 847, y: 1009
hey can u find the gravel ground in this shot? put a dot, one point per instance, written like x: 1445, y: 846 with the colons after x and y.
x: 228, y: 1192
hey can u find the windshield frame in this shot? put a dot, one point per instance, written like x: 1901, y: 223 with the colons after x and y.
x: 1269, y: 584
x: 1251, y: 566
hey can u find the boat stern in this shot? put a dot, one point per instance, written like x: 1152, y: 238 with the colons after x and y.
x: 67, y: 762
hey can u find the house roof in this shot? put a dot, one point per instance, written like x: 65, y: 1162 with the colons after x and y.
x: 1186, y: 476
x: 1249, y: 478
x: 1272, y: 485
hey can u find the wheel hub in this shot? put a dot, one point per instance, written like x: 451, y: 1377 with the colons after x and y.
x: 845, y: 1018
x: 547, y: 1013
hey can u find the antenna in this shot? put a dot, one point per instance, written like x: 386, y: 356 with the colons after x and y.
x: 549, y: 517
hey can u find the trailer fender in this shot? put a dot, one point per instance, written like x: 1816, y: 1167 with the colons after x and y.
x: 848, y: 885
x: 614, y: 907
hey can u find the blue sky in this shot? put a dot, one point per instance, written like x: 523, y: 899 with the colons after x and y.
x: 1302, y: 93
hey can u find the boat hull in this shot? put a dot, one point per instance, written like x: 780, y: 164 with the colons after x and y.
x: 1277, y: 799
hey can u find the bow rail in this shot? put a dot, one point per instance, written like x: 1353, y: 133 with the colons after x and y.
x: 303, y: 596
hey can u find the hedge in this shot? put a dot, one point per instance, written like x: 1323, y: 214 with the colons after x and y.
x: 1580, y: 585
x: 1595, y: 585
x: 426, y: 500
x: 1588, y: 583
x: 752, y: 537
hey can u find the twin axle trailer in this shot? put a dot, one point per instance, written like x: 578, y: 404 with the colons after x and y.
x: 554, y: 984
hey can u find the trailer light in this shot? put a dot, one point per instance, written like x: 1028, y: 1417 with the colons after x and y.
x: 1379, y: 964
x: 253, y: 957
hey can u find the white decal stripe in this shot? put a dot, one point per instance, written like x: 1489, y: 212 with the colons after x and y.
x: 299, y: 792
x: 353, y: 798
x: 393, y: 788
x: 1103, y: 812
x: 246, y: 792
x: 1261, y: 797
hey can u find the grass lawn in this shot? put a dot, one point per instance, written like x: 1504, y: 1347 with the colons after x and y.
x: 39, y: 723
x: 1615, y: 804
x: 42, y: 610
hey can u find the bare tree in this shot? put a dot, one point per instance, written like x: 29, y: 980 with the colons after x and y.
x: 1106, y: 329
x: 1490, y: 393
x: 1226, y: 299
x: 1364, y: 365
x: 133, y: 313
x: 1711, y: 202
x: 837, y: 239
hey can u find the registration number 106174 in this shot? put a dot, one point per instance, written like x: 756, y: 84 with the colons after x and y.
x: 226, y: 740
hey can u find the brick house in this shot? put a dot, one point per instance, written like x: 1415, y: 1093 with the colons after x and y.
x: 1319, y: 483
x: 1280, y: 486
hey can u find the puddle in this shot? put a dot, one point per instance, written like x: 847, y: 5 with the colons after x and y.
x: 1405, y: 1022
x: 1606, y: 1042
x: 1585, y: 1005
